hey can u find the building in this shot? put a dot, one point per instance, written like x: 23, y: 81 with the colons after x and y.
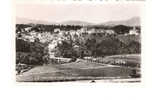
x: 133, y: 31
x: 110, y: 32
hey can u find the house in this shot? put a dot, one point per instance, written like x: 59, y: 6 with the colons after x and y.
x: 51, y: 48
x: 110, y: 32
x: 28, y: 29
x: 56, y: 30
x: 83, y: 30
x: 29, y: 38
x: 133, y: 31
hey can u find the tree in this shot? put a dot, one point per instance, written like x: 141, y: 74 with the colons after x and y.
x: 34, y: 53
x: 134, y: 47
x: 109, y: 46
x: 91, y: 44
x: 65, y: 49
x: 22, y: 46
x: 121, y: 29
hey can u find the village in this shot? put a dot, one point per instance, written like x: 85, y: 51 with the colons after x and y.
x: 81, y: 45
x: 58, y: 35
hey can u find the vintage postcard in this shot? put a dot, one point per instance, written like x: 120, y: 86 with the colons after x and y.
x: 78, y: 42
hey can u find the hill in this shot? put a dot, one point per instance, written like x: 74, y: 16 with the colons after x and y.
x: 135, y: 21
x: 20, y: 20
x: 73, y: 22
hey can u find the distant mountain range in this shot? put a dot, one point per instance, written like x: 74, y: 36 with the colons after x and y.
x: 135, y: 21
x: 32, y: 21
x: 72, y: 22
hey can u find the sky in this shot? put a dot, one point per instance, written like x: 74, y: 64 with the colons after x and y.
x: 94, y: 13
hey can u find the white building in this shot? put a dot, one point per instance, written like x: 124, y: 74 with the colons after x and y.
x: 51, y: 47
x: 57, y: 30
x: 133, y: 31
x: 110, y: 32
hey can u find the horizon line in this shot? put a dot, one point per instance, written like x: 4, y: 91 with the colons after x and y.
x: 58, y: 22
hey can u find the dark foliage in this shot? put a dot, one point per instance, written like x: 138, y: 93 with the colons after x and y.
x: 111, y: 45
x: 94, y: 45
x: 65, y: 49
x: 32, y: 53
x: 121, y: 29
x: 22, y: 46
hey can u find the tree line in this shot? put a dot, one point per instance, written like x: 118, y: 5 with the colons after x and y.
x: 31, y: 53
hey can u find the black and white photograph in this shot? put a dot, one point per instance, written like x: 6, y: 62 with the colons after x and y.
x: 79, y: 49
x: 89, y: 43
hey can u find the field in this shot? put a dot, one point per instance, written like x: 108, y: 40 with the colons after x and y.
x: 81, y: 70
x: 131, y: 60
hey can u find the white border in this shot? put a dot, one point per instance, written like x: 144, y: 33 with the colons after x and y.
x: 70, y: 91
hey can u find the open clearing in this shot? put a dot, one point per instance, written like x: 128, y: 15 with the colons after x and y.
x: 75, y: 71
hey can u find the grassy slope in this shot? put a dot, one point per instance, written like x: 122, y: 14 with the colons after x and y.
x: 131, y: 60
x: 130, y: 57
x: 81, y: 70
